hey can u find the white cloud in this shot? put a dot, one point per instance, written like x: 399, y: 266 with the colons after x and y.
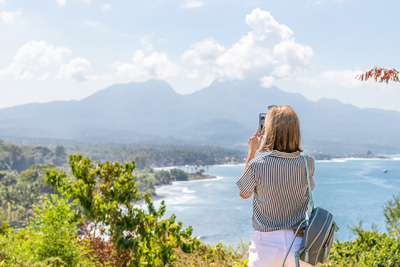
x: 267, y: 81
x: 10, y: 17
x: 268, y: 49
x: 91, y: 23
x: 142, y: 68
x: 145, y: 41
x: 105, y: 7
x: 2, y: 1
x: 76, y: 69
x: 342, y: 78
x: 204, y: 52
x: 40, y: 61
x: 192, y: 4
x: 35, y: 58
x: 193, y: 74
x: 61, y: 2
x: 345, y: 79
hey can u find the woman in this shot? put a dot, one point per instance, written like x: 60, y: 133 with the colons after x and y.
x: 279, y: 184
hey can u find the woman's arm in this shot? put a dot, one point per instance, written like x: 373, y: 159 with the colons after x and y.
x: 254, y: 144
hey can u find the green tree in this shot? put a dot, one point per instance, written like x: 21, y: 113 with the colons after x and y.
x: 41, y: 154
x: 371, y: 248
x: 141, y: 161
x: 391, y: 212
x: 200, y: 171
x: 57, y: 225
x: 178, y: 175
x: 61, y: 156
x: 162, y: 177
x: 17, y: 160
x: 107, y: 194
x: 4, y: 166
x: 29, y: 175
x: 8, y: 178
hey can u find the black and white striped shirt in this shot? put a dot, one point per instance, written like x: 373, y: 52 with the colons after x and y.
x: 279, y: 184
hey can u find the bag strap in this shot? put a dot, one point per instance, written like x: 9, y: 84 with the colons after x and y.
x: 291, y: 244
x: 310, y: 207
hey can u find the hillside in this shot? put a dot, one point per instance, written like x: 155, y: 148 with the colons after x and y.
x: 225, y: 113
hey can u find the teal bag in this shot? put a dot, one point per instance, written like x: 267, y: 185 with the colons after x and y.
x: 318, y: 235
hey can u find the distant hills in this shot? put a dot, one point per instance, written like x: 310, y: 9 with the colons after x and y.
x: 225, y: 113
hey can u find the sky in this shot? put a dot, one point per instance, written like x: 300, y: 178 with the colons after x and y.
x: 69, y: 49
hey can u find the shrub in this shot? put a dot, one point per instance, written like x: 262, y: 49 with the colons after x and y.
x: 17, y: 249
x: 392, y: 215
x: 219, y: 255
x: 56, y: 224
x: 107, y: 194
x: 369, y: 249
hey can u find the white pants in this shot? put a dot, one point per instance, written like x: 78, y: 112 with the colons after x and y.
x: 268, y: 249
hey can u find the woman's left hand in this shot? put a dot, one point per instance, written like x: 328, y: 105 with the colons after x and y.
x: 255, y: 141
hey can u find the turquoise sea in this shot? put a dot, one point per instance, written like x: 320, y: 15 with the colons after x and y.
x: 353, y: 190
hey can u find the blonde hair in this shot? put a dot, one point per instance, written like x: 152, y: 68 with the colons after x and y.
x: 282, y: 130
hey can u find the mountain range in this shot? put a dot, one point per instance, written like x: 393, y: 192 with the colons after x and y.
x: 225, y: 113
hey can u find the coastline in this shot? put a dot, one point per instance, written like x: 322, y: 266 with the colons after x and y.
x: 356, y: 158
x: 156, y: 197
x: 333, y: 159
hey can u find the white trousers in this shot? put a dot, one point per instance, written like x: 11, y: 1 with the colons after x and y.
x: 268, y: 249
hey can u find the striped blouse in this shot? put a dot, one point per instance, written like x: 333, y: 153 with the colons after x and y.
x: 279, y: 184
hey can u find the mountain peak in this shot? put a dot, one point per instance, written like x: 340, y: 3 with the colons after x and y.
x: 133, y: 91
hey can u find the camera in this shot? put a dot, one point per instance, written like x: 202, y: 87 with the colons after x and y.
x: 261, y: 121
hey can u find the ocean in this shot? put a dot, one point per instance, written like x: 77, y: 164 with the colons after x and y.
x: 353, y: 190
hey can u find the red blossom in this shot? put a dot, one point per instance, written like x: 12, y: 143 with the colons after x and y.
x: 380, y: 74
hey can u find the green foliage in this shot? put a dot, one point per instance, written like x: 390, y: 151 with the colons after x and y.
x: 392, y: 215
x: 29, y: 176
x: 29, y: 246
x: 157, y: 155
x: 140, y: 161
x: 3, y: 214
x: 138, y: 238
x: 162, y: 177
x: 42, y: 154
x: 178, y: 175
x: 61, y: 156
x: 219, y: 255
x: 16, y: 158
x: 5, y: 228
x: 8, y: 178
x: 26, y: 189
x: 51, y: 262
x: 107, y: 193
x: 200, y: 172
x: 17, y: 249
x: 57, y: 225
x: 370, y: 249
x: 20, y: 158
x: 147, y: 179
x: 145, y: 183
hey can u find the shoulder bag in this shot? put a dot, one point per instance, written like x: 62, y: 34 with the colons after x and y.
x: 318, y: 235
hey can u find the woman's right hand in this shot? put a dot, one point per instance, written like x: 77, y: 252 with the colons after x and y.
x: 255, y: 141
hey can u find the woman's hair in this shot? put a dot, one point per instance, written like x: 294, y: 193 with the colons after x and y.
x: 282, y: 130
